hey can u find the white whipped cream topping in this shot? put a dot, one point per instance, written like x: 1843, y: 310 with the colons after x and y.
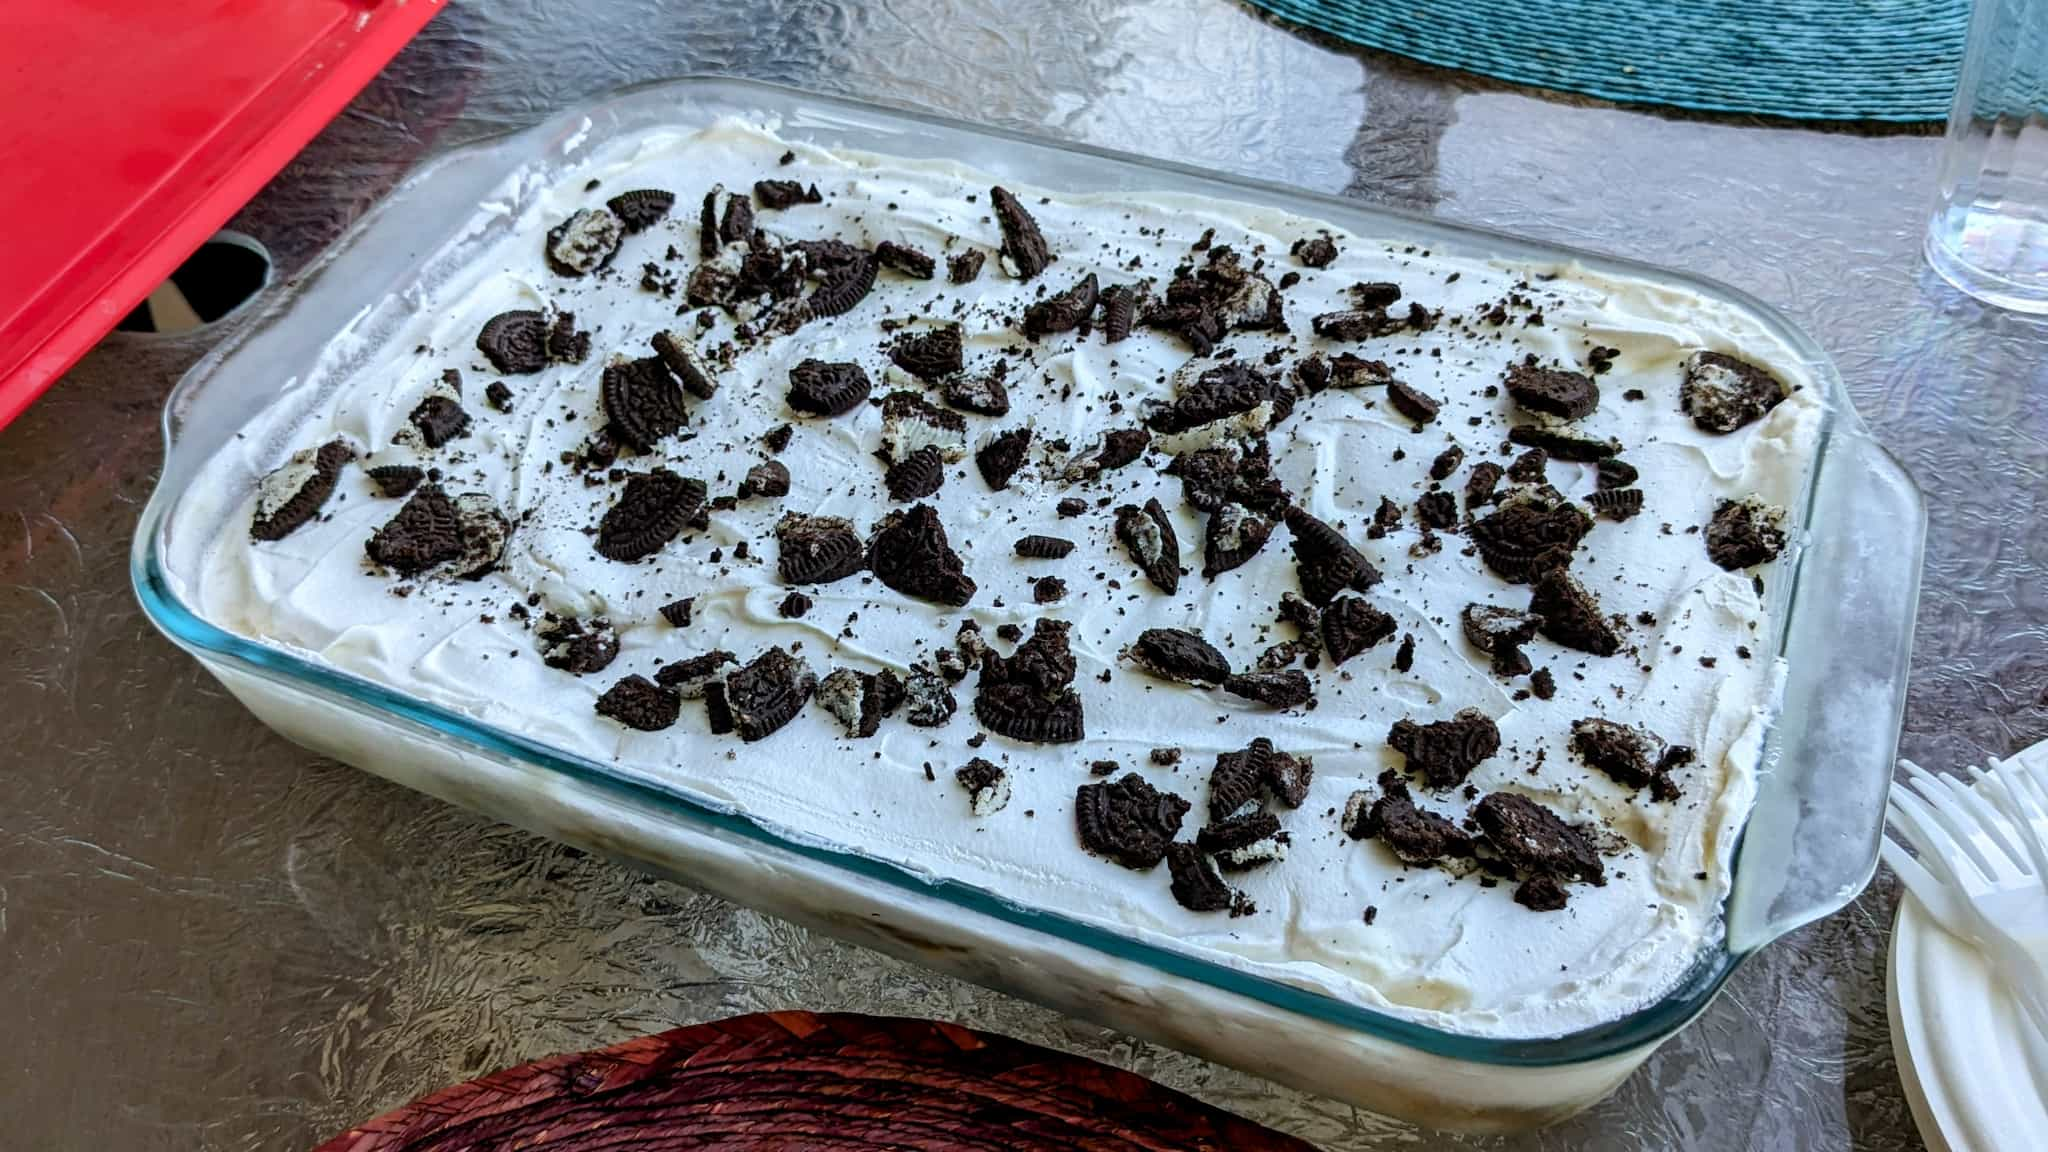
x: 1448, y: 951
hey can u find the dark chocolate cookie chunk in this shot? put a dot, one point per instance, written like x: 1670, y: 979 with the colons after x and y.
x: 1437, y: 510
x: 1118, y: 448
x: 1500, y: 633
x: 1447, y: 461
x: 1350, y: 626
x: 1024, y: 248
x: 1234, y: 473
x: 1552, y: 391
x: 909, y: 423
x: 999, y: 458
x: 1564, y: 443
x: 638, y: 702
x: 1722, y: 393
x: 1743, y: 534
x: 690, y: 676
x: 1044, y: 547
x: 1287, y: 775
x: 817, y: 549
x: 1413, y: 403
x: 654, y: 508
x: 1119, y: 310
x: 1236, y: 784
x: 678, y: 611
x: 641, y: 209
x: 930, y: 355
x: 1414, y: 835
x: 577, y: 646
x: 1231, y: 388
x: 777, y: 195
x: 1445, y: 752
x: 1534, y: 841
x: 1479, y: 485
x: 1180, y: 655
x: 1128, y: 820
x: 767, y: 693
x: 794, y: 606
x: 1617, y: 503
x: 426, y: 533
x: 909, y: 552
x: 1062, y: 311
x: 1541, y: 894
x: 1029, y: 694
x: 767, y: 480
x: 1614, y: 472
x: 1048, y: 590
x: 293, y: 493
x: 843, y: 288
x: 1533, y: 531
x: 498, y: 395
x: 905, y: 259
x: 1147, y: 534
x: 1325, y: 561
x: 516, y: 342
x: 566, y: 343
x: 1244, y: 842
x: 1315, y: 251
x: 1531, y: 467
x: 965, y: 267
x: 1356, y: 324
x: 917, y: 475
x: 1288, y: 688
x: 1233, y: 535
x: 439, y: 418
x: 642, y: 402
x: 1196, y: 884
x: 584, y: 242
x: 987, y: 786
x: 678, y: 353
x: 395, y: 480
x: 983, y: 393
x: 822, y: 388
x: 1571, y: 616
x: 1628, y: 755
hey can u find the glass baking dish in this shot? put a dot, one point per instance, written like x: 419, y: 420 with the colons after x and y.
x: 1844, y: 600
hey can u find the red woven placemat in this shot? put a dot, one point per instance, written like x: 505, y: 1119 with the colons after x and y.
x: 802, y: 1080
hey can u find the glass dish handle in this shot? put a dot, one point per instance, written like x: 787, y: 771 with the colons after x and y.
x: 1811, y: 842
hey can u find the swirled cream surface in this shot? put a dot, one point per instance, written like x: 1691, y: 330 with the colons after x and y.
x: 1342, y: 916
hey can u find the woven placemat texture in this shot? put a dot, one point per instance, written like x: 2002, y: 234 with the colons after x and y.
x: 1893, y: 60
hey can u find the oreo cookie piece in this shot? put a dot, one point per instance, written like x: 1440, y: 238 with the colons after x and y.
x: 1541, y: 894
x: 1350, y: 626
x: 426, y: 533
x: 1357, y: 324
x: 1479, y: 485
x: 1317, y: 251
x: 1722, y: 393
x: 1552, y: 391
x: 1048, y: 590
x: 1743, y: 534
x: 439, y: 418
x: 768, y: 480
x: 1119, y: 310
x: 583, y: 243
x: 1044, y: 547
x: 678, y: 611
x: 689, y: 678
x: 1447, y: 461
x: 1179, y: 655
x: 566, y: 343
x: 909, y: 423
x: 987, y: 786
x: 1195, y: 883
x: 928, y: 698
x: 295, y: 491
x: 1235, y: 472
x: 641, y: 208
x: 1244, y: 842
x: 1438, y: 510
x: 965, y: 267
x: 1128, y: 820
x: 999, y: 458
x: 1446, y: 751
x: 777, y: 438
x: 767, y: 694
x: 1029, y: 694
x: 1413, y: 403
x: 1287, y: 775
x: 1024, y: 250
x: 1617, y: 503
x: 394, y: 480
x: 778, y: 195
x: 1500, y: 633
x: 1063, y: 311
x: 1614, y: 472
x: 1118, y: 448
x: 1348, y: 372
x: 931, y: 355
x: 917, y: 475
x: 1565, y: 444
x: 1147, y: 534
x: 1325, y: 561
x: 642, y: 402
x: 678, y: 353
x: 817, y: 549
x: 982, y: 393
x: 905, y: 259
x: 578, y: 648
x: 1628, y: 755
x: 843, y: 288
x: 1216, y: 394
x: 1533, y: 531
x: 1233, y: 535
x: 1237, y: 782
x: 793, y: 606
x: 654, y: 508
x: 841, y: 693
x: 1414, y: 835
x: 1288, y: 688
x: 515, y: 342
x: 499, y: 396
x: 1534, y: 841
x: 1571, y: 616
x: 638, y: 702
x: 909, y: 552
x: 822, y: 388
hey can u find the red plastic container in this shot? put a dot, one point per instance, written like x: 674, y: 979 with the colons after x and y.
x: 136, y: 129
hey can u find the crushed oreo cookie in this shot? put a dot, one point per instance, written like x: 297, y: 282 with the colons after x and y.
x: 1722, y: 393
x: 766, y: 694
x: 515, y: 342
x: 583, y: 243
x: 1743, y: 534
x: 965, y: 267
x: 1326, y: 562
x: 642, y: 401
x: 1350, y: 626
x: 983, y: 393
x: 1317, y: 251
x: 1534, y: 841
x: 1287, y: 688
x: 1500, y: 633
x: 1480, y: 484
x: 1119, y: 311
x: 689, y: 678
x: 987, y: 786
x: 928, y: 697
x: 817, y: 549
x: 1029, y: 694
x: 916, y: 476
x: 1444, y: 752
x: 1614, y: 472
x: 905, y: 259
x: 909, y: 423
x: 1196, y: 884
x: 1413, y: 403
x: 654, y: 508
x: 1571, y: 616
x: 1025, y: 253
x: 1447, y: 461
x: 640, y: 208
x: 395, y: 480
x: 293, y: 493
x: 1128, y: 820
x: 426, y: 533
x: 439, y: 419
x: 1616, y: 503
x: 908, y: 552
x: 843, y: 288
x: 930, y: 355
x: 577, y: 646
x: 1565, y: 444
x: 1437, y: 510
x: 1233, y: 535
x: 1532, y: 531
x: 779, y: 195
x: 678, y: 611
x: 638, y: 702
x: 821, y: 388
x: 767, y: 480
x: 1043, y: 547
x: 1413, y: 834
x: 999, y: 458
x: 678, y: 353
x: 1552, y: 391
x: 1180, y: 655
x: 1147, y: 534
x: 1063, y: 311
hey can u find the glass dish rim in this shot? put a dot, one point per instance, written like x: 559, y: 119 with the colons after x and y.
x: 1646, y: 1025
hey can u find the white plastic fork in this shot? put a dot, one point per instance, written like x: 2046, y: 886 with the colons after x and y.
x: 1982, y: 866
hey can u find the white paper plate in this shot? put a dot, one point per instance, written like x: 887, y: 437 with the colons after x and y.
x: 1976, y: 1077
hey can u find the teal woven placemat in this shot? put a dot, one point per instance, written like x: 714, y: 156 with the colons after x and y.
x: 1804, y: 59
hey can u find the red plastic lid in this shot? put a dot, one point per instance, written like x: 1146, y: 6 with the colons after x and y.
x: 136, y: 129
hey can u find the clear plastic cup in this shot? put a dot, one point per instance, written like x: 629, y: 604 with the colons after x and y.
x: 1989, y: 230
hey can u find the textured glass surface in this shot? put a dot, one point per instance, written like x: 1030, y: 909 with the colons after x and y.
x: 213, y: 939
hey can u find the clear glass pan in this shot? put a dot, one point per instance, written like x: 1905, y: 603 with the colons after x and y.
x: 1845, y: 600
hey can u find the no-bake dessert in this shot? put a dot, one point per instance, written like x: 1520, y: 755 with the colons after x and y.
x: 1388, y: 623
